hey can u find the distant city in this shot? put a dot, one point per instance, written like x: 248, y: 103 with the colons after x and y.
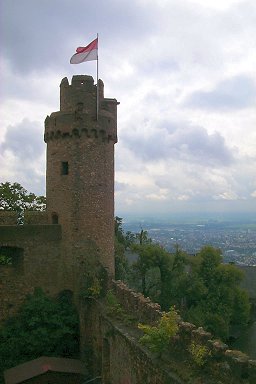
x: 235, y: 236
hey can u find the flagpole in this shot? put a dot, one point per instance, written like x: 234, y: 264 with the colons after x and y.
x: 97, y: 95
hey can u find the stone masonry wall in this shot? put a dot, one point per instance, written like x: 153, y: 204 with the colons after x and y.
x: 112, y: 351
x: 39, y: 247
x: 229, y: 366
x: 113, y: 344
x: 8, y: 217
x: 80, y: 174
x: 125, y: 361
x: 35, y: 217
x: 13, y: 289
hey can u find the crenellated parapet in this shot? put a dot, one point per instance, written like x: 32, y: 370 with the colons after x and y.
x: 82, y: 91
x: 77, y: 117
x: 193, y: 351
x: 135, y: 302
x: 30, y: 217
x: 8, y: 217
x: 35, y: 217
x: 56, y: 131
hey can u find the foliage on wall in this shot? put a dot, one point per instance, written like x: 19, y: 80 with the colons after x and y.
x: 43, y: 327
x: 158, y: 337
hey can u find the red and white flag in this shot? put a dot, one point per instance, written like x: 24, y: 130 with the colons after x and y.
x: 88, y: 53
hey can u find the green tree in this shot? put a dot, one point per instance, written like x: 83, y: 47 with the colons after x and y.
x: 13, y: 197
x: 162, y: 275
x: 178, y: 281
x: 214, y: 296
x: 43, y: 327
x: 205, y: 291
x: 142, y: 237
x: 119, y: 232
x: 158, y: 337
x: 241, y: 308
x: 121, y: 243
x: 130, y: 238
x: 126, y: 238
x: 152, y: 256
x: 210, y: 259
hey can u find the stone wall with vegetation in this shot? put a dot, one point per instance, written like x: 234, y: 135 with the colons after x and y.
x: 110, y: 334
x: 125, y: 361
x: 192, y: 349
x: 110, y: 348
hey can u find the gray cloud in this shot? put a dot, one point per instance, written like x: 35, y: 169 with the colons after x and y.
x: 24, y: 140
x: 151, y: 55
x: 39, y: 35
x: 182, y: 142
x: 120, y: 186
x: 235, y: 93
x: 23, y: 156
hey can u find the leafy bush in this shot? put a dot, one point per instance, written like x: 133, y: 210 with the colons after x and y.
x: 43, y: 327
x: 113, y: 306
x: 5, y: 260
x: 157, y: 338
x: 199, y: 353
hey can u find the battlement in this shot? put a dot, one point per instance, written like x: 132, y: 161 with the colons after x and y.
x: 8, y: 217
x: 77, y: 115
x: 13, y: 235
x: 82, y: 91
x: 35, y: 217
x: 30, y: 217
x: 64, y: 126
x: 229, y: 366
x: 135, y: 302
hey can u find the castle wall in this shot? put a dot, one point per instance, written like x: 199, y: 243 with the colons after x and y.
x: 8, y: 217
x: 80, y: 199
x: 111, y: 351
x: 35, y: 217
x: 37, y: 264
x: 113, y: 344
x: 125, y: 361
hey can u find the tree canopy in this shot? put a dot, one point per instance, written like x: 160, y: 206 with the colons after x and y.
x: 206, y: 291
x: 221, y: 304
x: 43, y: 327
x: 13, y: 197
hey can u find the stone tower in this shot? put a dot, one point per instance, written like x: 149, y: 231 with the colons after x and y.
x: 80, y: 176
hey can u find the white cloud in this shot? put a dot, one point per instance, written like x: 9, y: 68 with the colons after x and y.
x: 23, y: 155
x: 184, y: 72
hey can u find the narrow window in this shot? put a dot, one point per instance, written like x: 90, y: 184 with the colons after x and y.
x: 55, y: 218
x: 64, y: 168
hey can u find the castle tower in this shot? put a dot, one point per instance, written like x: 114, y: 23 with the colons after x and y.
x: 80, y: 176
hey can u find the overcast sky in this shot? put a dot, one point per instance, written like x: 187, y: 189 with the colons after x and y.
x: 184, y: 72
